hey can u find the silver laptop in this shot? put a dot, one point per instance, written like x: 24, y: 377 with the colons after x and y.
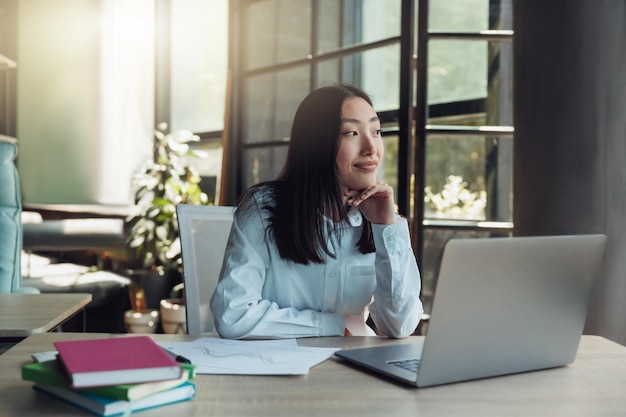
x: 502, y: 306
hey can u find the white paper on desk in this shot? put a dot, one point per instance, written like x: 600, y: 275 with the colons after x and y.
x: 246, y: 357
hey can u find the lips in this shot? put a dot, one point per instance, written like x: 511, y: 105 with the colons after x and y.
x: 368, y: 165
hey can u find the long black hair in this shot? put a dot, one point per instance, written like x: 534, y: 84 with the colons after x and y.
x: 306, y: 191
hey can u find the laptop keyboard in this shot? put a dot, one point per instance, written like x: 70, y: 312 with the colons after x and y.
x: 408, y: 364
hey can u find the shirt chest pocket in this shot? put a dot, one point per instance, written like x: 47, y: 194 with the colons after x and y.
x: 358, y: 288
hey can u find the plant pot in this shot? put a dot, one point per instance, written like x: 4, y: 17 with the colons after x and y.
x: 147, y: 288
x: 173, y: 316
x: 141, y: 321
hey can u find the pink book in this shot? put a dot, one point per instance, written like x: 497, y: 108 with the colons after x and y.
x: 115, y: 361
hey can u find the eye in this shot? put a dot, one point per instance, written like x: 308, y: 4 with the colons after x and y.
x: 378, y: 132
x: 349, y: 133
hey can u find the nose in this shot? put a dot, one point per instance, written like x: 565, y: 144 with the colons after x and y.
x: 368, y: 146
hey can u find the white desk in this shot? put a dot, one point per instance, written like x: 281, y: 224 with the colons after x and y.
x: 594, y: 385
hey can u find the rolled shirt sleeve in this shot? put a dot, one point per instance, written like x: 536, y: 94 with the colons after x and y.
x: 397, y: 308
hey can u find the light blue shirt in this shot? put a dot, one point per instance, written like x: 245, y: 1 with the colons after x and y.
x: 261, y: 295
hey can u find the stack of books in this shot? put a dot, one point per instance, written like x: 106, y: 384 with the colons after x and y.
x: 114, y: 376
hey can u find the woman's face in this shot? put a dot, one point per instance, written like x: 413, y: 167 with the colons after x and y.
x: 361, y: 149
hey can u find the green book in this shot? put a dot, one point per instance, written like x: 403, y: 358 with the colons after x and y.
x: 50, y: 373
x: 103, y: 406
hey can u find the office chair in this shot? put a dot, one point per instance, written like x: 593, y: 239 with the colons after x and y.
x: 203, y: 232
x: 10, y: 221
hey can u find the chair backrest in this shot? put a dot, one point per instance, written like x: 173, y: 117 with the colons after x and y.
x: 10, y: 218
x: 203, y: 232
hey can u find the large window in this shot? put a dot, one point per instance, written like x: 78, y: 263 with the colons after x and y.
x: 192, y: 66
x: 467, y: 83
x: 198, y: 64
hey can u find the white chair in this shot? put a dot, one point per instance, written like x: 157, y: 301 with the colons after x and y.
x: 203, y: 232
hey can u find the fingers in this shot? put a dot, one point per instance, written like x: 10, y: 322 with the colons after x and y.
x: 380, y: 190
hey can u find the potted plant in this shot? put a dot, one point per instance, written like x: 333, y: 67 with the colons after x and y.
x: 153, y: 242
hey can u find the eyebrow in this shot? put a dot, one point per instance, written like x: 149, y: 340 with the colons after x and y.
x: 351, y: 120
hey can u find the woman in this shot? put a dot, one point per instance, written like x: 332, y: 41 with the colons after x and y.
x: 315, y: 251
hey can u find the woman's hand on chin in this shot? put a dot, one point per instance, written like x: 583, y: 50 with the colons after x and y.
x: 375, y: 202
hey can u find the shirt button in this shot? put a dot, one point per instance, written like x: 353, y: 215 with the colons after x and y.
x: 331, y: 275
